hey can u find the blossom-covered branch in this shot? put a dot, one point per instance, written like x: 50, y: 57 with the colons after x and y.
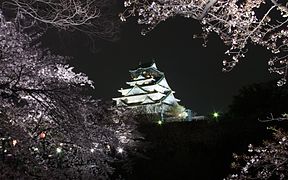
x: 237, y: 23
x: 268, y: 161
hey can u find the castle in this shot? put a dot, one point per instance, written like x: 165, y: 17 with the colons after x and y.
x: 148, y: 91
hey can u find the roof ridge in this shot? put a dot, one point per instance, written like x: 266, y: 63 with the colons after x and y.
x: 136, y: 86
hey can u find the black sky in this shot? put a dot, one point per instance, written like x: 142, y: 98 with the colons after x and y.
x: 193, y: 71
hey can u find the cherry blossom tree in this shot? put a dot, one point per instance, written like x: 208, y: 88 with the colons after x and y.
x: 236, y: 22
x: 49, y: 128
x: 177, y: 112
x: 268, y: 161
x: 90, y: 17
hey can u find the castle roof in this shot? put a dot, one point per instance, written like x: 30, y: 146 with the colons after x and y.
x: 147, y: 65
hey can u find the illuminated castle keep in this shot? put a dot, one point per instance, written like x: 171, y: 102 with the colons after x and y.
x: 148, y: 91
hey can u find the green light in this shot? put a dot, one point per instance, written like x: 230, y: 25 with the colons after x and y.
x: 159, y: 122
x: 215, y: 114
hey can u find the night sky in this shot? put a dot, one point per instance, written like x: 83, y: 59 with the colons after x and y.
x: 192, y: 71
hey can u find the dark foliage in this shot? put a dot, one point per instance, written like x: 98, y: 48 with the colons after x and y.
x: 257, y: 101
x: 198, y: 150
x: 203, y: 149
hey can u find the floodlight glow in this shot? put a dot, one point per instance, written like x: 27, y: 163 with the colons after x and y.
x: 215, y: 114
x: 58, y: 150
x: 14, y: 142
x: 159, y: 122
x: 120, y: 150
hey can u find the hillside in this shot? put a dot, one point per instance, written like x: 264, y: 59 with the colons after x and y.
x: 198, y: 150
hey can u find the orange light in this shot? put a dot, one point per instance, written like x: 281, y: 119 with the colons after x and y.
x: 42, y: 135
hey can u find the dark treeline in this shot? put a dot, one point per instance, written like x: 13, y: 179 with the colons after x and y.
x: 198, y: 150
x: 203, y: 149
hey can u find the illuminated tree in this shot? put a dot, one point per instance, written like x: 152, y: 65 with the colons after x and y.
x: 268, y: 161
x: 49, y: 129
x: 90, y: 17
x: 177, y: 111
x: 236, y: 22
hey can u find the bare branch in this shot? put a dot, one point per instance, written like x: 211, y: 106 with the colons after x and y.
x: 206, y: 9
x: 272, y: 118
x: 85, y: 16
